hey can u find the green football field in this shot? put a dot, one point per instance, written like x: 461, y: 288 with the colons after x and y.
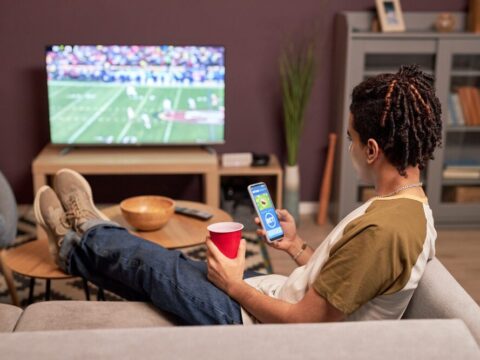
x: 98, y: 113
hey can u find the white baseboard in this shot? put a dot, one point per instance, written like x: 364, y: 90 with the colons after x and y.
x: 308, y: 207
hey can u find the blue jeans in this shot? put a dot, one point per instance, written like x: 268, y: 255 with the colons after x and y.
x: 139, y: 270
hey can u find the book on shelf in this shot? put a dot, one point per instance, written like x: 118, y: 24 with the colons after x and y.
x: 475, y: 112
x: 451, y: 121
x: 464, y: 168
x: 464, y: 99
x: 461, y: 172
x: 466, y: 162
x: 476, y: 102
x: 462, y: 194
x: 456, y: 111
x: 451, y: 116
x: 469, y: 100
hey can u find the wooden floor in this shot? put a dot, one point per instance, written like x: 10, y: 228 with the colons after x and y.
x: 458, y: 250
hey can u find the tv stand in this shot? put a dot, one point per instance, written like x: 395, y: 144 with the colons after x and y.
x: 122, y: 161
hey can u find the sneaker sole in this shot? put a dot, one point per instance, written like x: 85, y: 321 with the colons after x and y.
x: 86, y: 185
x: 39, y: 217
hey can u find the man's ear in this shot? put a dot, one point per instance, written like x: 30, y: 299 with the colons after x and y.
x: 373, y: 151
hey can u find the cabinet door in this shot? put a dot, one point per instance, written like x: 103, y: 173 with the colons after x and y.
x: 370, y: 58
x: 455, y: 173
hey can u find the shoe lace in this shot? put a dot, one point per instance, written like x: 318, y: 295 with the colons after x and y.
x: 76, y: 213
x: 63, y: 225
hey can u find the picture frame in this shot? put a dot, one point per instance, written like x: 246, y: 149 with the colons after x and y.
x: 390, y: 14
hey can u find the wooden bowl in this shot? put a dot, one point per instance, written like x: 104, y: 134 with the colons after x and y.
x: 147, y: 213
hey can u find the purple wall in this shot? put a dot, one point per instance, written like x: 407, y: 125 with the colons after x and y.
x: 253, y: 32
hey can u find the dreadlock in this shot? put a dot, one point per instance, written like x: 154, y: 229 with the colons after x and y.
x: 402, y: 113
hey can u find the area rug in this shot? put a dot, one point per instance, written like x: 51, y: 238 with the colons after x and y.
x: 72, y: 289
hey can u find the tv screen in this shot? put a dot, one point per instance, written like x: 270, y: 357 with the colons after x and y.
x: 136, y: 95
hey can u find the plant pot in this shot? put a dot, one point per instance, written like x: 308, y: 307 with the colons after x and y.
x: 291, y: 191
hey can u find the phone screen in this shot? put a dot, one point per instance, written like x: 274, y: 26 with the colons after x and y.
x: 266, y: 211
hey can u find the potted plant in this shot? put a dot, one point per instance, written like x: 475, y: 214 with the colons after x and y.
x: 297, y: 69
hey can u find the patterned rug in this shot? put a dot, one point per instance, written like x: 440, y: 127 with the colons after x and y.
x: 72, y: 289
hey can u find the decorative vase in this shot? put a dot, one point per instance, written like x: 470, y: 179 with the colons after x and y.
x: 445, y: 22
x: 291, y: 194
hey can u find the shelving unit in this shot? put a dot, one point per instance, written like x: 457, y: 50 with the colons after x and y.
x: 454, y: 60
x: 273, y: 171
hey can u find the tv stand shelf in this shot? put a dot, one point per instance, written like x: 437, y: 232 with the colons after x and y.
x: 273, y: 169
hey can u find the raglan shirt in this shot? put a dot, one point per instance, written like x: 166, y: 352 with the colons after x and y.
x: 370, y: 263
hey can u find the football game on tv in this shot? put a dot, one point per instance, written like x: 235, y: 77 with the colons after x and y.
x: 136, y: 95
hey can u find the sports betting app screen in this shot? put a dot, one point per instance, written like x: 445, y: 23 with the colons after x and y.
x: 267, y: 212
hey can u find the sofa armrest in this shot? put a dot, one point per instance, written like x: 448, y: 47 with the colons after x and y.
x: 408, y: 339
x: 440, y: 296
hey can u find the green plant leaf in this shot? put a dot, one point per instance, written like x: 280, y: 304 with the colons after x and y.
x: 297, y: 69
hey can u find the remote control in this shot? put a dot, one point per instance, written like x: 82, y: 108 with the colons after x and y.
x: 202, y: 215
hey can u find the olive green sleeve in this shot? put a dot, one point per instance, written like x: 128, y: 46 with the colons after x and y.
x: 358, y: 270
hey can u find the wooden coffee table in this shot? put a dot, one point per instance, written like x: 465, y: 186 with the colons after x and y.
x: 180, y: 231
x: 33, y: 260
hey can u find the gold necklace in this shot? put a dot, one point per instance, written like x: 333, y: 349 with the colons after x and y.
x: 401, y: 188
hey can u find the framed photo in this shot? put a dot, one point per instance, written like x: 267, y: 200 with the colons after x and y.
x: 390, y: 15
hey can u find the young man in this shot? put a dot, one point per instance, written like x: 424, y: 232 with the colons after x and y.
x: 367, y: 268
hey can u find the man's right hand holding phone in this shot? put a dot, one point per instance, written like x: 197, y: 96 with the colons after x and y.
x: 291, y: 241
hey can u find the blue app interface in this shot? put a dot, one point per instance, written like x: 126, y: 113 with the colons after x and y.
x: 267, y: 211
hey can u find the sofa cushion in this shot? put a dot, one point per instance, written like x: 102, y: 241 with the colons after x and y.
x: 409, y: 339
x: 67, y: 315
x: 9, y: 316
x: 440, y: 296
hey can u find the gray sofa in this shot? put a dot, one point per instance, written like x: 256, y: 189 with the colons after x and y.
x: 441, y: 322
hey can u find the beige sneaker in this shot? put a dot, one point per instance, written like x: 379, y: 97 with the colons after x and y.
x: 51, y: 217
x: 75, y: 195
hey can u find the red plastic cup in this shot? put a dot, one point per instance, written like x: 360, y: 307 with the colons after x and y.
x: 226, y: 236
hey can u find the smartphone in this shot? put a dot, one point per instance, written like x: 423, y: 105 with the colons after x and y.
x: 263, y: 204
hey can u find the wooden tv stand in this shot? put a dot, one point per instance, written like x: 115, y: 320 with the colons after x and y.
x: 124, y: 161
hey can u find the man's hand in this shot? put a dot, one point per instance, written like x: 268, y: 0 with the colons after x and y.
x: 224, y: 272
x: 290, y: 238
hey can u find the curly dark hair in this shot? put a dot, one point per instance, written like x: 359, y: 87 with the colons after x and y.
x: 402, y: 113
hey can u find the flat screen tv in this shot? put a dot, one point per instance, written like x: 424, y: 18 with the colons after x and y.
x: 136, y: 95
